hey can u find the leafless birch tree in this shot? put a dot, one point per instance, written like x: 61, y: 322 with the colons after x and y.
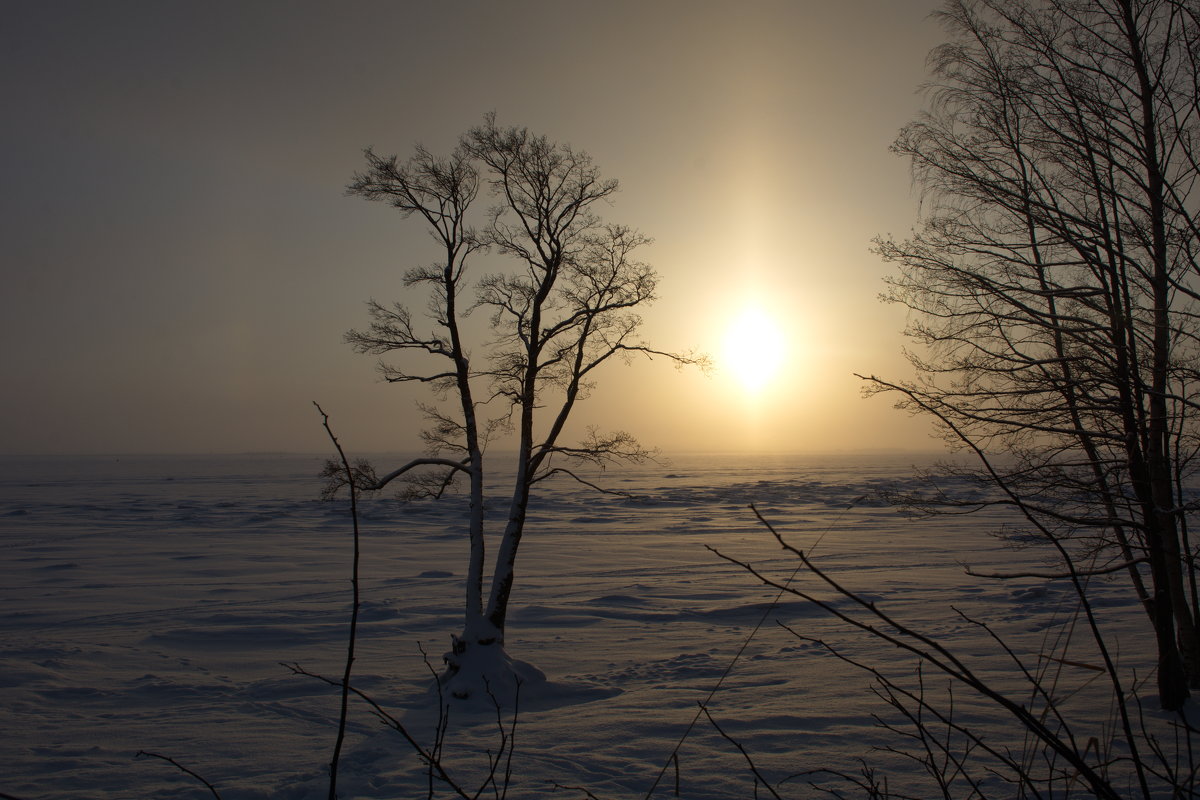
x: 1054, y: 282
x: 566, y: 306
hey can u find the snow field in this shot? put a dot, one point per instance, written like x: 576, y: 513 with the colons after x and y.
x: 148, y: 605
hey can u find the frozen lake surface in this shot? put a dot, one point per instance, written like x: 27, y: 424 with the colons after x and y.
x: 146, y: 604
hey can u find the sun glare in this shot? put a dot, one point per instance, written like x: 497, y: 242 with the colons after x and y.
x: 753, y: 350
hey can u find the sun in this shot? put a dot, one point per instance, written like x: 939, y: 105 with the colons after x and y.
x: 753, y: 349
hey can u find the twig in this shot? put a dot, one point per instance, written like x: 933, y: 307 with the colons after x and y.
x: 341, y: 733
x: 443, y: 720
x: 749, y: 762
x: 430, y: 757
x: 1051, y: 576
x: 178, y: 766
x: 460, y: 466
x: 783, y: 587
x: 931, y: 652
x: 511, y: 738
x: 578, y: 479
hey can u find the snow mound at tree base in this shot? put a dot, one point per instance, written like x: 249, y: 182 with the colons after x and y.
x: 484, y: 677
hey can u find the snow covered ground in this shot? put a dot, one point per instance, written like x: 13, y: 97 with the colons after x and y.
x: 146, y: 604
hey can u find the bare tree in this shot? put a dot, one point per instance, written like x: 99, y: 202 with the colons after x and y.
x: 566, y: 306
x: 1054, y: 282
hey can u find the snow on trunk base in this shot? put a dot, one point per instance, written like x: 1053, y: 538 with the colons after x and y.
x: 484, y: 677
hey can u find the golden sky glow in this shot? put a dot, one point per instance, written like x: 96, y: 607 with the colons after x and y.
x: 190, y: 291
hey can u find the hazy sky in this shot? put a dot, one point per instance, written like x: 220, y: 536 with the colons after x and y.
x: 180, y: 262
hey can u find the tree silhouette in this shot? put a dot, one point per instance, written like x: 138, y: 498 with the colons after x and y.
x: 1054, y: 281
x: 566, y: 306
